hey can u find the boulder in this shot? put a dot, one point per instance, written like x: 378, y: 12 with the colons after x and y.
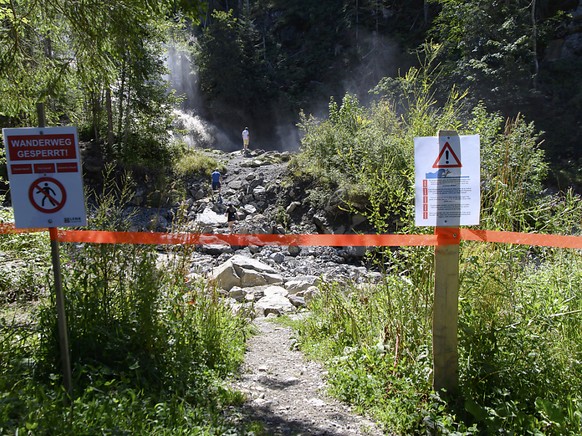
x: 294, y: 250
x: 249, y: 209
x: 251, y: 278
x: 248, y: 263
x: 244, y: 272
x: 259, y: 192
x: 255, y: 293
x: 309, y: 293
x: 277, y: 257
x: 237, y: 293
x: 321, y: 224
x: 301, y: 283
x: 215, y: 249
x: 225, y: 276
x: 235, y: 185
x: 291, y: 208
x: 275, y: 302
x: 197, y: 193
x: 275, y: 290
x: 297, y: 301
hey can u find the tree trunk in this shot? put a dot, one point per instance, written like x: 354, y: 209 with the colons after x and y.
x: 109, y: 109
x: 426, y: 13
x: 127, y: 127
x: 534, y: 45
x: 96, y: 109
x: 120, y: 103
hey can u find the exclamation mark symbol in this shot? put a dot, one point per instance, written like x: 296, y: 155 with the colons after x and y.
x: 447, y: 156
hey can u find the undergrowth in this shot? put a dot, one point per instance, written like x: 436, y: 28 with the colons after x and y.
x: 150, y: 347
x: 520, y: 308
x: 519, y: 345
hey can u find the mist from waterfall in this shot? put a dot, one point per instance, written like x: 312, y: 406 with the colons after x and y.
x: 279, y: 130
x: 190, y: 125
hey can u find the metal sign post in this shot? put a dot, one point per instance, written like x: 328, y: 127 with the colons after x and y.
x: 60, y: 297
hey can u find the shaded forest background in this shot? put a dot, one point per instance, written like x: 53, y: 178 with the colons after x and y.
x: 259, y: 63
x: 500, y: 68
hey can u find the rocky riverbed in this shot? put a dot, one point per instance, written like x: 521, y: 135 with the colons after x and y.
x: 285, y: 392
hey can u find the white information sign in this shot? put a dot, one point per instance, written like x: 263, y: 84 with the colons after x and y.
x: 447, y: 179
x: 46, y: 183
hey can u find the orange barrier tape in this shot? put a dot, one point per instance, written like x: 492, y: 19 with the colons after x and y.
x: 447, y: 235
x: 558, y: 241
x: 441, y: 236
x: 102, y: 237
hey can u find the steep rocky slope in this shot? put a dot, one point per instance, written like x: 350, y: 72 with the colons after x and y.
x: 285, y: 392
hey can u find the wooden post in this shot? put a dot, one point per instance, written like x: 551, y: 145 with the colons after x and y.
x: 60, y: 298
x: 446, y: 298
x: 446, y: 311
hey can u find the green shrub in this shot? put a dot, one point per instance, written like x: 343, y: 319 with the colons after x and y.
x: 519, y: 343
x: 196, y: 164
x: 149, y: 347
x: 366, y: 154
x: 512, y: 171
x: 21, y: 257
x: 520, y: 319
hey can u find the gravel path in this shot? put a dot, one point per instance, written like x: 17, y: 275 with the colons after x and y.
x: 285, y: 392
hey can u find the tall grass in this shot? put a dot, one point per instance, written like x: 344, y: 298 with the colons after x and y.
x: 519, y: 343
x: 149, y: 346
x: 194, y: 163
x: 520, y: 338
x: 520, y: 314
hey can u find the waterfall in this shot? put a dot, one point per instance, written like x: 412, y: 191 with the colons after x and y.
x: 192, y: 129
x: 189, y: 124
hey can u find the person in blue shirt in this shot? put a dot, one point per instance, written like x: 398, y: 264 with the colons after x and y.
x: 216, y: 180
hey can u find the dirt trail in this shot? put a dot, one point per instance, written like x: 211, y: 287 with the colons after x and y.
x: 286, y: 393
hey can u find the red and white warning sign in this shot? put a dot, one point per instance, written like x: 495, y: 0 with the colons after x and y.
x: 47, y: 195
x: 447, y: 158
x: 447, y: 180
x: 44, y: 170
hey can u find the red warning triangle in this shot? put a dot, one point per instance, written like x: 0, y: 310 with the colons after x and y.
x: 447, y: 158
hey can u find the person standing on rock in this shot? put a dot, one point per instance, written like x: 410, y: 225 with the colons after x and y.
x: 230, y: 216
x: 246, y: 139
x: 216, y: 186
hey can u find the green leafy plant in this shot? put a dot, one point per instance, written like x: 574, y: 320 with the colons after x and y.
x: 519, y: 344
x: 196, y: 164
x: 149, y: 346
x: 520, y: 316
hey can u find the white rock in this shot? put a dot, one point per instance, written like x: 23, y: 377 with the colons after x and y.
x: 275, y: 290
x: 274, y: 303
x: 301, y: 283
x: 209, y: 217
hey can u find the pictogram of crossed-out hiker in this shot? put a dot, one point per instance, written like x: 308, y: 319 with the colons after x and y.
x: 48, y: 193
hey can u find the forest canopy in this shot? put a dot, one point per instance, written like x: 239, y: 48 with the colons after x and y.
x: 101, y: 65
